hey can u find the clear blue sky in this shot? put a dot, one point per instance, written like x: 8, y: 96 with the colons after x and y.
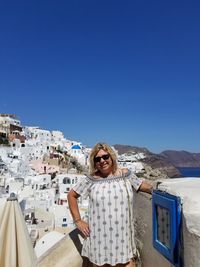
x: 123, y: 72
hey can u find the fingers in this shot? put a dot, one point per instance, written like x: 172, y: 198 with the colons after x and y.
x: 86, y: 232
x: 84, y: 228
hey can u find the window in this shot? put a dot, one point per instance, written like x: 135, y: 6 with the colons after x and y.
x: 66, y: 180
x: 163, y: 225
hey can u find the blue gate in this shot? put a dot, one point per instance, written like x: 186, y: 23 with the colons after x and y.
x: 167, y: 226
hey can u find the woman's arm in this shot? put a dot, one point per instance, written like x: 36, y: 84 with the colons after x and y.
x: 83, y: 226
x: 146, y: 187
x: 72, y: 197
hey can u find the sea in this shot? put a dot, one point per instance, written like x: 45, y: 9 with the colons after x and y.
x: 190, y: 172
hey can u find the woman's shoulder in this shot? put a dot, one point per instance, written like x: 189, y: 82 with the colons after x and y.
x: 88, y: 176
x: 128, y: 173
x: 124, y: 170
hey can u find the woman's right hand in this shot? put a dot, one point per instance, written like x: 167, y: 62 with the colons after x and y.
x: 83, y: 227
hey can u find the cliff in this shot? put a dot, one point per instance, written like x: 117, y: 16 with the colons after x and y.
x: 156, y: 166
x: 181, y: 158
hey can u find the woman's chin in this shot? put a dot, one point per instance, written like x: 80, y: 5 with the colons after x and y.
x: 105, y: 169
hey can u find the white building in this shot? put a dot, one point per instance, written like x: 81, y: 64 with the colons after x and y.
x: 38, y: 134
x: 42, y: 181
x: 62, y: 215
x: 6, y: 120
x: 67, y: 181
x: 57, y: 136
x: 79, y: 152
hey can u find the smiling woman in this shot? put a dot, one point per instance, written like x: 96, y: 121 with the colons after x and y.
x: 109, y: 231
x: 103, y: 160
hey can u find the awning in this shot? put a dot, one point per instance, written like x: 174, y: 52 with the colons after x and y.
x: 16, y: 249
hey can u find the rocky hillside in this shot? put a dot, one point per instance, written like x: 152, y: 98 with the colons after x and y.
x: 160, y: 165
x: 181, y: 158
x: 155, y: 165
x: 122, y: 149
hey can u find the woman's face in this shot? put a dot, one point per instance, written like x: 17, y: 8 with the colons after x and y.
x: 103, y: 162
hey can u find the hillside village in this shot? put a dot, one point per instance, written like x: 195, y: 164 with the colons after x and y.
x: 40, y: 167
x: 37, y: 169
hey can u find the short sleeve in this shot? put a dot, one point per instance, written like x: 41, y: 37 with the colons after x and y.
x: 135, y: 181
x: 83, y: 187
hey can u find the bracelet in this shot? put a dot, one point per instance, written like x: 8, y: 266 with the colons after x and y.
x: 77, y: 220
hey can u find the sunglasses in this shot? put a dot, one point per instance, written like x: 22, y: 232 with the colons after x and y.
x: 104, y: 157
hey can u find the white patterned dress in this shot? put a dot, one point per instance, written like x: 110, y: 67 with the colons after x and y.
x: 110, y: 218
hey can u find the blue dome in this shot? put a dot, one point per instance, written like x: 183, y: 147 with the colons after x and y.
x: 75, y: 147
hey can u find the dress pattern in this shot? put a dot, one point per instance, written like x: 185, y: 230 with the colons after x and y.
x: 110, y: 218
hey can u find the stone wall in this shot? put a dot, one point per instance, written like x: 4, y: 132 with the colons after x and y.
x: 143, y: 227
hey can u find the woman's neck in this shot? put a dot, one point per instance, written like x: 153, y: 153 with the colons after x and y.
x: 108, y: 174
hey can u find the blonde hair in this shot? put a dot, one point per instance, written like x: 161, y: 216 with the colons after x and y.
x: 95, y: 150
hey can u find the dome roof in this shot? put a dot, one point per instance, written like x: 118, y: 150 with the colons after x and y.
x: 75, y: 147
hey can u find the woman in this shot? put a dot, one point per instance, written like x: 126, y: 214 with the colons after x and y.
x: 109, y: 232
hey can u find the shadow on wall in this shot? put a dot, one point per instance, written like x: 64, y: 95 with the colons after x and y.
x: 74, y: 235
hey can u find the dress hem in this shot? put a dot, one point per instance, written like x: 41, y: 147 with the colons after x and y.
x: 111, y: 263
